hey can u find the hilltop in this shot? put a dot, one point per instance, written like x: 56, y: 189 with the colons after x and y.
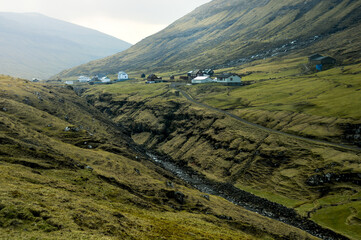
x: 226, y: 33
x: 36, y: 46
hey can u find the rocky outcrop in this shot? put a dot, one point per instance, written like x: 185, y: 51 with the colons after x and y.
x: 352, y: 133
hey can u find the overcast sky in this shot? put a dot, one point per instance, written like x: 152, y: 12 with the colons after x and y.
x: 129, y: 20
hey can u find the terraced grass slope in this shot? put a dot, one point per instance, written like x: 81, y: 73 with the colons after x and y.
x: 319, y: 181
x: 68, y: 172
x: 322, y: 105
x: 231, y: 32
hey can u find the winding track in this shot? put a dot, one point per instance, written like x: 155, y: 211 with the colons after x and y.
x: 314, y: 141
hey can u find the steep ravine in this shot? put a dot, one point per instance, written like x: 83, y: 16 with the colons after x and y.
x: 220, y: 148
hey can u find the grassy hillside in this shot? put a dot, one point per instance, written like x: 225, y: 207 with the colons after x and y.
x: 68, y: 172
x: 322, y: 105
x: 36, y: 46
x: 229, y: 33
x: 318, y: 180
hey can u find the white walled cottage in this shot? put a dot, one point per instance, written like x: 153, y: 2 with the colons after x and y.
x: 229, y: 79
x: 122, y: 76
x: 84, y: 79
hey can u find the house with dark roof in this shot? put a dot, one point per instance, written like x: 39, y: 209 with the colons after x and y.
x: 195, y: 73
x: 229, y: 79
x: 321, y: 62
x: 153, y: 77
x: 314, y: 56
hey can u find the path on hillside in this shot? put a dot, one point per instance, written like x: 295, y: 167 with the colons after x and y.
x: 316, y: 141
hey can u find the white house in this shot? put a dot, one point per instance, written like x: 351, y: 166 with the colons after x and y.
x: 229, y: 79
x: 201, y: 79
x: 122, y: 76
x: 105, y: 79
x: 84, y: 79
x: 69, y: 82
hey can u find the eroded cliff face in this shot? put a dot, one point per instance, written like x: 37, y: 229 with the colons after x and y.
x: 226, y: 150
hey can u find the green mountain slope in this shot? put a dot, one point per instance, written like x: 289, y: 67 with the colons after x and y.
x: 68, y: 172
x: 226, y: 33
x: 33, y: 45
x: 320, y: 181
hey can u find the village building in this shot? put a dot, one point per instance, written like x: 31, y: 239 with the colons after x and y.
x: 208, y: 72
x: 84, y: 79
x: 195, y: 73
x: 314, y: 56
x: 153, y: 77
x: 69, y: 82
x: 122, y: 76
x: 105, y: 79
x: 202, y: 79
x: 229, y: 79
x: 321, y: 62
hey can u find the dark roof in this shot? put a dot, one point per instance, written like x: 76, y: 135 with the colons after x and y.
x: 322, y: 58
x: 314, y: 56
x: 226, y: 75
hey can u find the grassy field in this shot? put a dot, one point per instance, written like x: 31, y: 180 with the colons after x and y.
x: 313, y: 104
x: 88, y: 183
x: 270, y: 166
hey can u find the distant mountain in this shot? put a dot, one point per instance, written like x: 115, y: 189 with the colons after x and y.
x: 33, y: 45
x: 226, y: 32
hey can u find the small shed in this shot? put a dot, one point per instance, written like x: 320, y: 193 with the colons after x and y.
x: 321, y: 62
x: 314, y: 56
x: 201, y: 79
x: 324, y: 60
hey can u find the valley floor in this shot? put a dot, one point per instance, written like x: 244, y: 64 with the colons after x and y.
x: 317, y: 174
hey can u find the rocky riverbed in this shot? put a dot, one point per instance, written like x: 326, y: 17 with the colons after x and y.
x: 243, y: 198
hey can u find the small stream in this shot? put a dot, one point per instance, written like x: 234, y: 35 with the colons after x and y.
x: 247, y: 200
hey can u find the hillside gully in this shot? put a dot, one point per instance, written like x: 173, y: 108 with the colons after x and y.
x: 199, y: 181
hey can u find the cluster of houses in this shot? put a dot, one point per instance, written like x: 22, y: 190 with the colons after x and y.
x: 122, y: 76
x: 205, y: 76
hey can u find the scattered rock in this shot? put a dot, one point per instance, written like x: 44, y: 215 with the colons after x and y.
x: 89, y: 168
x: 322, y: 179
x: 170, y: 184
x: 70, y: 128
x: 224, y: 217
x: 178, y: 196
x: 206, y: 197
x: 137, y: 171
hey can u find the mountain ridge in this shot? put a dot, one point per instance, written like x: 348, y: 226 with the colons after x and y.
x: 34, y: 45
x: 223, y: 31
